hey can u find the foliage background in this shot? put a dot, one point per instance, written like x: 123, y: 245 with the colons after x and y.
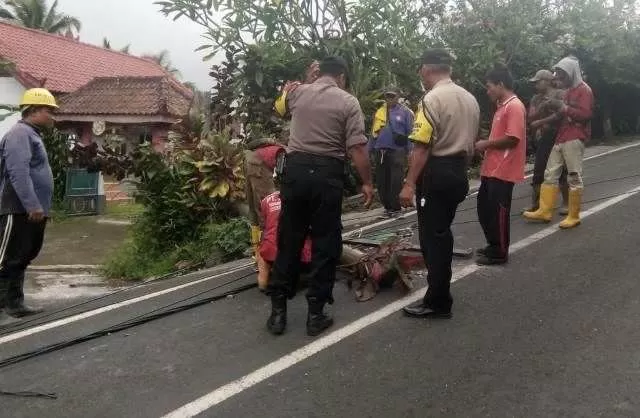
x: 266, y: 42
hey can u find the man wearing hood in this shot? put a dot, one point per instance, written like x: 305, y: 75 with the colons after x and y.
x: 575, y: 116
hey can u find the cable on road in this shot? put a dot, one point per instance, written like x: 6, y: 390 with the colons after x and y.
x: 164, y: 311
x: 412, y: 223
x: 21, y: 325
x: 9, y: 329
x: 403, y: 222
x: 139, y: 320
x: 29, y: 394
x: 365, y: 216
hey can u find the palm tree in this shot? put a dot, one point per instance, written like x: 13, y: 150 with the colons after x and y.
x: 163, y: 60
x: 106, y: 44
x: 36, y: 15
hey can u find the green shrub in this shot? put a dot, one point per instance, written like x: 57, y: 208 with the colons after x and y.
x: 138, y: 258
x: 57, y: 146
x: 132, y: 262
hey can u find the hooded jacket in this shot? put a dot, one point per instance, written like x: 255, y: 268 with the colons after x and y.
x: 578, y: 98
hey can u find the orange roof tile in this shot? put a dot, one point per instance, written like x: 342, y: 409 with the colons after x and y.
x: 139, y: 96
x: 62, y: 64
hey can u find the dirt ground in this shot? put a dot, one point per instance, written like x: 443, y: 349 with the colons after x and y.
x: 79, y: 240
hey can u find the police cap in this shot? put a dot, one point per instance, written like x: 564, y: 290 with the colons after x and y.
x: 334, y: 66
x: 436, y: 56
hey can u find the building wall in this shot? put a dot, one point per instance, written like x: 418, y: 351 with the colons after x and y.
x: 10, y: 94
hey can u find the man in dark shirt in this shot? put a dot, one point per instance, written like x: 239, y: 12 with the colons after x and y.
x: 544, y: 125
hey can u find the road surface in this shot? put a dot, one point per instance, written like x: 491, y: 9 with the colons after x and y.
x: 552, y: 334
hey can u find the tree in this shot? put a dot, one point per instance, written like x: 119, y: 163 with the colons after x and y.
x: 266, y: 42
x: 162, y: 59
x: 380, y: 39
x: 610, y: 56
x: 106, y: 44
x: 36, y: 15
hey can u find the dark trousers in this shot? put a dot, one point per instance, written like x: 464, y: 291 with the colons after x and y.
x: 389, y: 177
x: 443, y: 186
x: 311, y: 192
x: 494, y: 213
x: 543, y: 150
x: 21, y: 242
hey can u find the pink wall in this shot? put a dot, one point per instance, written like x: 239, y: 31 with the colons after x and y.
x: 159, y: 137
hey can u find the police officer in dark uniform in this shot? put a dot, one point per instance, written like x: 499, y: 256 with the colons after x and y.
x: 445, y: 130
x: 327, y: 126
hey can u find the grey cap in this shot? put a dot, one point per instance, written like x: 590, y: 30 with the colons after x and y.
x: 392, y: 90
x: 542, y: 75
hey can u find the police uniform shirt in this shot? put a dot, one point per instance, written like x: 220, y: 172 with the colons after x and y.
x: 448, y: 120
x: 325, y: 120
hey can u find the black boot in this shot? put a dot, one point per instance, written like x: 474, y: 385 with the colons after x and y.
x: 317, y: 321
x: 21, y: 310
x: 278, y: 320
x: 5, y: 319
x: 15, y: 300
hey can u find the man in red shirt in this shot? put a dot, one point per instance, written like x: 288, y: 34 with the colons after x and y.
x: 575, y: 128
x: 270, y: 209
x: 503, y: 166
x: 259, y: 163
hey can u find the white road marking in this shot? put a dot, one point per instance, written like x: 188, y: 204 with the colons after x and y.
x: 108, y: 308
x: 89, y: 314
x: 235, y: 387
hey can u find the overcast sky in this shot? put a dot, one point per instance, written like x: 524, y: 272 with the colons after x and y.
x: 138, y: 22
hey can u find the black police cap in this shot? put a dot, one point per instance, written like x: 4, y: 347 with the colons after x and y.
x: 331, y: 64
x: 436, y: 56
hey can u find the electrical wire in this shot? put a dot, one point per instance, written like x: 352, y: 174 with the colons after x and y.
x: 29, y: 394
x: 21, y: 325
x: 412, y: 223
x: 172, y: 308
x: 153, y: 315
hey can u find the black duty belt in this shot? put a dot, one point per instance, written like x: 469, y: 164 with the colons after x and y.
x: 297, y: 157
x: 452, y: 157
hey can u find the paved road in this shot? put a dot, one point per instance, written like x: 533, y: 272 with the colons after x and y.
x: 552, y: 334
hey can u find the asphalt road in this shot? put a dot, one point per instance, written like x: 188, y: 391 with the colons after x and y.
x: 552, y: 334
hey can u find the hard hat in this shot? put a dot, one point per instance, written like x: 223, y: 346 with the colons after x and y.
x: 38, y: 97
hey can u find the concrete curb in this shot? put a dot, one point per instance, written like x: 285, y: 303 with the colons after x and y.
x: 62, y: 267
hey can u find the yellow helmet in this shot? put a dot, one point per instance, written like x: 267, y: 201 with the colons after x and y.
x: 38, y: 97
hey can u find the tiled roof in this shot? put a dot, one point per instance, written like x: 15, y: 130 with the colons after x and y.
x: 62, y: 64
x: 129, y: 96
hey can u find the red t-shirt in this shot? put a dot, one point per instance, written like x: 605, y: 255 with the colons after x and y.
x: 576, y: 121
x: 270, y: 207
x: 510, y: 119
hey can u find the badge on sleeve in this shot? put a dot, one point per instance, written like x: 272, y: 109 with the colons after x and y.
x: 422, y: 129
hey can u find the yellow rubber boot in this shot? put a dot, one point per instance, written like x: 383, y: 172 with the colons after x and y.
x: 573, y: 219
x: 548, y: 195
